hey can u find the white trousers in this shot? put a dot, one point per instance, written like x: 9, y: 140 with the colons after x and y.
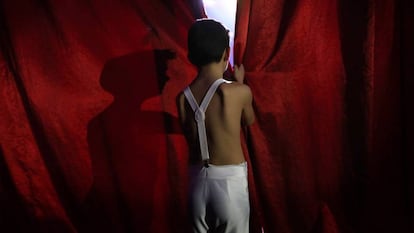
x: 219, y: 199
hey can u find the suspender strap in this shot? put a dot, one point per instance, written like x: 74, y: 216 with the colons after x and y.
x: 199, y: 112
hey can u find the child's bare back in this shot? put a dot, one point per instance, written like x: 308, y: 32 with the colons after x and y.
x: 229, y: 108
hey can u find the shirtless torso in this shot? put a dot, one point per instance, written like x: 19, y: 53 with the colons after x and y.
x: 229, y: 109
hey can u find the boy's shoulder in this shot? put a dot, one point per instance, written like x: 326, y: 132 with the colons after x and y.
x: 235, y: 88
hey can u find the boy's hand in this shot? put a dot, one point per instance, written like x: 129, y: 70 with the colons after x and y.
x: 239, y: 73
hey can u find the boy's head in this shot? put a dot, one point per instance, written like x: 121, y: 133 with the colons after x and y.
x: 207, y: 41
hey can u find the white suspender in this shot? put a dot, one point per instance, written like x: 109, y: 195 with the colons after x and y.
x: 199, y: 112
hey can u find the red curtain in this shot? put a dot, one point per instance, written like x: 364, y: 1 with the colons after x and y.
x: 331, y: 149
x: 87, y: 112
x: 88, y: 134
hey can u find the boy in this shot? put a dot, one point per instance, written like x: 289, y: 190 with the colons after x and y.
x: 211, y: 112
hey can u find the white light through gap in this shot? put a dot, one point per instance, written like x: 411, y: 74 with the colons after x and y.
x: 223, y: 11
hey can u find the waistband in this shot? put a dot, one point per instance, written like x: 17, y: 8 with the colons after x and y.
x: 218, y: 171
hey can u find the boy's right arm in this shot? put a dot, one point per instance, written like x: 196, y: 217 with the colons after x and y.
x: 239, y: 73
x: 247, y: 112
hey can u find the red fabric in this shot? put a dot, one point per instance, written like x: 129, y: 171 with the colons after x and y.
x: 88, y: 134
x: 85, y: 101
x: 328, y: 142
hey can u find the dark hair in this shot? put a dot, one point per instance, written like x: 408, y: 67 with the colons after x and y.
x: 207, y: 40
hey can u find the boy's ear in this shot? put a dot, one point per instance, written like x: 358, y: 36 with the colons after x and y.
x: 226, y: 54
